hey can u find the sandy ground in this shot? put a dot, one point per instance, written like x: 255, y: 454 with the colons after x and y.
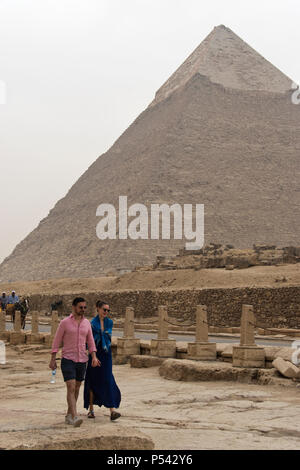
x: 259, y: 276
x: 176, y: 415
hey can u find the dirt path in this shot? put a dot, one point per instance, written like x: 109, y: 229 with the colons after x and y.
x: 176, y: 415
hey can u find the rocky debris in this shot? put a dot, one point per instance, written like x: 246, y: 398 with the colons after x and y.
x: 227, y: 352
x: 226, y: 256
x: 286, y: 368
x: 281, y: 279
x: 190, y: 371
x: 140, y: 361
x: 187, y: 370
x: 63, y: 437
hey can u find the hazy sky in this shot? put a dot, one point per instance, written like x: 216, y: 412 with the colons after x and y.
x: 77, y: 73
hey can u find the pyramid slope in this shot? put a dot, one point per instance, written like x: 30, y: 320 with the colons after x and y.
x: 226, y: 59
x: 234, y: 150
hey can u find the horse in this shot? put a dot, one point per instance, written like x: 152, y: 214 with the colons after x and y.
x: 58, y: 305
x: 23, y: 306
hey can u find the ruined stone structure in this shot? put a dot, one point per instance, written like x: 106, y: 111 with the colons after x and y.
x: 17, y: 336
x: 34, y: 337
x: 216, y: 255
x: 128, y: 345
x: 222, y: 131
x: 163, y: 346
x: 54, y: 325
x: 201, y: 349
x: 248, y: 354
x: 4, y: 335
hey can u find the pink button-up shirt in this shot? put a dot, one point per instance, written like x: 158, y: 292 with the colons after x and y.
x: 74, y: 336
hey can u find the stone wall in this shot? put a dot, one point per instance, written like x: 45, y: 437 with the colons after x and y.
x: 273, y: 307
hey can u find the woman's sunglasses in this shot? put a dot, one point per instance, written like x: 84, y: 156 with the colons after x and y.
x: 106, y: 310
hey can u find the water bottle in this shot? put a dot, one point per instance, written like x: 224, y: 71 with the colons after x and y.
x: 53, y: 373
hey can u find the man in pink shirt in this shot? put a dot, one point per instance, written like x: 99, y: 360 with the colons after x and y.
x: 73, y: 333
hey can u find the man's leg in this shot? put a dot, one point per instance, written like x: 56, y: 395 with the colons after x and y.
x: 71, y: 399
x: 77, y: 388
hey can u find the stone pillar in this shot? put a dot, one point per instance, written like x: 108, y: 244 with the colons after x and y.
x: 54, y: 325
x: 54, y: 322
x: 4, y: 335
x: 2, y: 322
x: 129, y: 323
x: 202, y: 349
x: 17, y: 336
x: 163, y: 346
x: 128, y: 345
x: 34, y: 337
x: 247, y: 326
x: 17, y: 323
x: 248, y: 354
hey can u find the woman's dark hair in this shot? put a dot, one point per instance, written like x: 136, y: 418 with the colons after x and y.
x: 77, y: 300
x: 100, y: 304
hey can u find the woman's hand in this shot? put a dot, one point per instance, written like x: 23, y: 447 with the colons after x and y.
x: 95, y: 360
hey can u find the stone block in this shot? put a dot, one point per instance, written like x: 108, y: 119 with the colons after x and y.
x: 17, y: 337
x: 286, y: 368
x: 202, y: 351
x: 119, y: 360
x: 48, y: 340
x: 142, y: 361
x: 5, y: 335
x: 227, y: 350
x: 187, y: 370
x: 248, y: 356
x: 34, y: 338
x: 128, y: 347
x: 163, y: 347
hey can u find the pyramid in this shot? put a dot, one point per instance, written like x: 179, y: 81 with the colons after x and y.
x: 221, y: 131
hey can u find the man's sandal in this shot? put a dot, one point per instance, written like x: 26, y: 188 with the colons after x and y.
x: 91, y: 414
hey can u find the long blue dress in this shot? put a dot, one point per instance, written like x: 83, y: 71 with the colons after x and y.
x: 100, y: 379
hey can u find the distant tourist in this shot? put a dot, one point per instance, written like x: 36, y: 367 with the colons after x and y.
x: 12, y: 298
x: 100, y: 387
x: 74, y: 332
x: 3, y: 301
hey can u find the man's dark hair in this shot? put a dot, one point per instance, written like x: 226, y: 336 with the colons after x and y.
x: 100, y: 303
x: 77, y: 300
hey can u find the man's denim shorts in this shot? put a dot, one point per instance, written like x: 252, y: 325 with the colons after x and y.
x: 73, y: 370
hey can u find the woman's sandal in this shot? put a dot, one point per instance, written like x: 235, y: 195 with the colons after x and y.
x: 114, y: 415
x: 91, y: 414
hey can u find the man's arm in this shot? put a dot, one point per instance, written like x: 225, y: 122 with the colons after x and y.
x: 56, y: 344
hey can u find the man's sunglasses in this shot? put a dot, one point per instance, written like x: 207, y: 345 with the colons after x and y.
x: 82, y: 308
x: 106, y: 310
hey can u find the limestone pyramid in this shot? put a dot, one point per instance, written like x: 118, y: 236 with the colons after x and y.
x: 222, y: 131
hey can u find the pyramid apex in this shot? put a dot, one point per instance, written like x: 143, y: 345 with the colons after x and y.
x: 224, y: 58
x: 221, y: 26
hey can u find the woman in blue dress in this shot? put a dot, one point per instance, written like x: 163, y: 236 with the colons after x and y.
x: 100, y: 387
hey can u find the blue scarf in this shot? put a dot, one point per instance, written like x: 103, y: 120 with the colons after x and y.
x: 103, y: 336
